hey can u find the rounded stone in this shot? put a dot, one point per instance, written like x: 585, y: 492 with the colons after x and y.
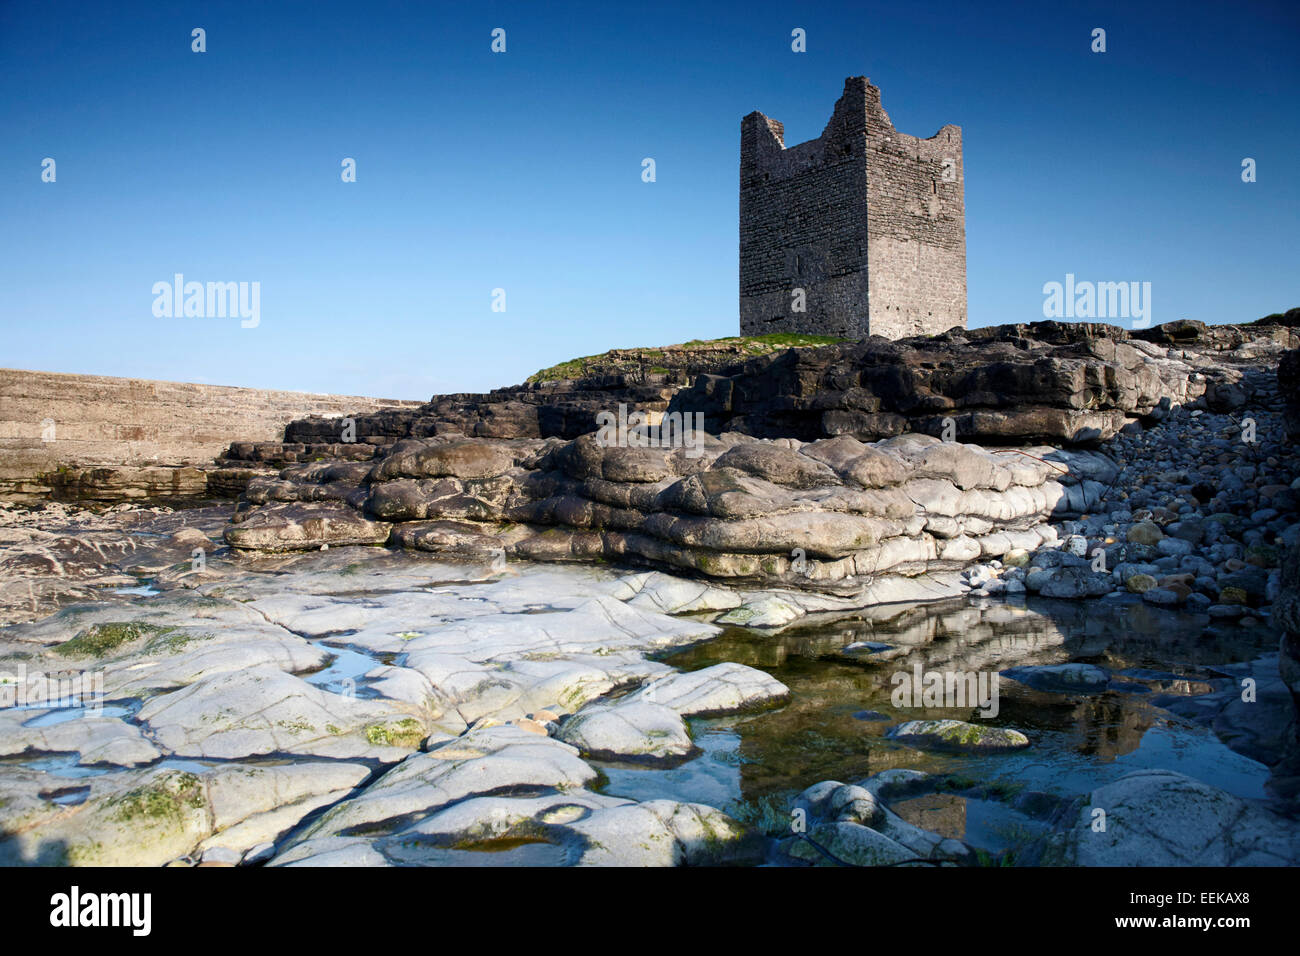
x: 1140, y: 583
x: 1145, y: 532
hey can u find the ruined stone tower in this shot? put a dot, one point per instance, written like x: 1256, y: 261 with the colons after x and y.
x: 868, y: 221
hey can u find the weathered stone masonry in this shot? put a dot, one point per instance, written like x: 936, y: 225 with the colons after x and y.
x: 870, y: 222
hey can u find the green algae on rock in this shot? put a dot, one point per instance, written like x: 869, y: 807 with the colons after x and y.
x: 958, y: 735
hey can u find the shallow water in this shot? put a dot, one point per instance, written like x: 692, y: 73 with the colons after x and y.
x: 139, y: 590
x: 345, y: 672
x: 61, y: 765
x: 834, y: 725
x: 1078, y: 741
x: 60, y: 715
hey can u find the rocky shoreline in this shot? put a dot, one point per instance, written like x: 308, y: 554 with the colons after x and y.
x: 437, y: 645
x: 835, y: 515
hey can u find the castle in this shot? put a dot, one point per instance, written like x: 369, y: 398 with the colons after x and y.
x: 859, y: 232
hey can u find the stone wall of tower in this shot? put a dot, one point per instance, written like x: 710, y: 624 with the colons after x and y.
x: 803, y: 225
x: 916, y: 228
x: 862, y: 219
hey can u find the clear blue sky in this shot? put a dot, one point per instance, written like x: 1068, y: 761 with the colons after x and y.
x: 522, y: 170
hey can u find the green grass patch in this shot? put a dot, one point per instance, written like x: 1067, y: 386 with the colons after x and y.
x: 653, y: 359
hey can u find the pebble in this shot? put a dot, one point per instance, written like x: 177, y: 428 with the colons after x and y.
x: 1196, y: 518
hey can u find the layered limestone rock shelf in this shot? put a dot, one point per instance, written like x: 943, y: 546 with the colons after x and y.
x: 834, y: 514
x: 100, y: 438
x: 560, y: 402
x: 1071, y: 383
x: 1052, y: 382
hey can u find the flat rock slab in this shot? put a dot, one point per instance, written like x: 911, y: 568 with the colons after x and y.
x: 150, y: 817
x: 560, y: 829
x: 61, y: 555
x: 958, y: 735
x: 765, y: 612
x: 178, y: 656
x: 158, y: 644
x: 1162, y: 818
x: 95, y: 740
x: 263, y: 710
x: 1065, y: 678
x: 162, y: 611
x: 675, y: 595
x: 482, y: 761
x: 293, y: 526
x: 721, y: 689
x: 599, y: 625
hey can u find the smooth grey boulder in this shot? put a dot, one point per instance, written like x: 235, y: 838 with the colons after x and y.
x: 662, y: 833
x: 958, y: 735
x: 637, y: 730
x: 1069, y: 582
x: 721, y: 689
x: 1068, y: 678
x: 850, y: 843
x: 1163, y: 818
x: 853, y: 825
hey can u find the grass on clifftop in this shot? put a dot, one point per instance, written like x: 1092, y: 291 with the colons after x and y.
x: 654, y: 359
